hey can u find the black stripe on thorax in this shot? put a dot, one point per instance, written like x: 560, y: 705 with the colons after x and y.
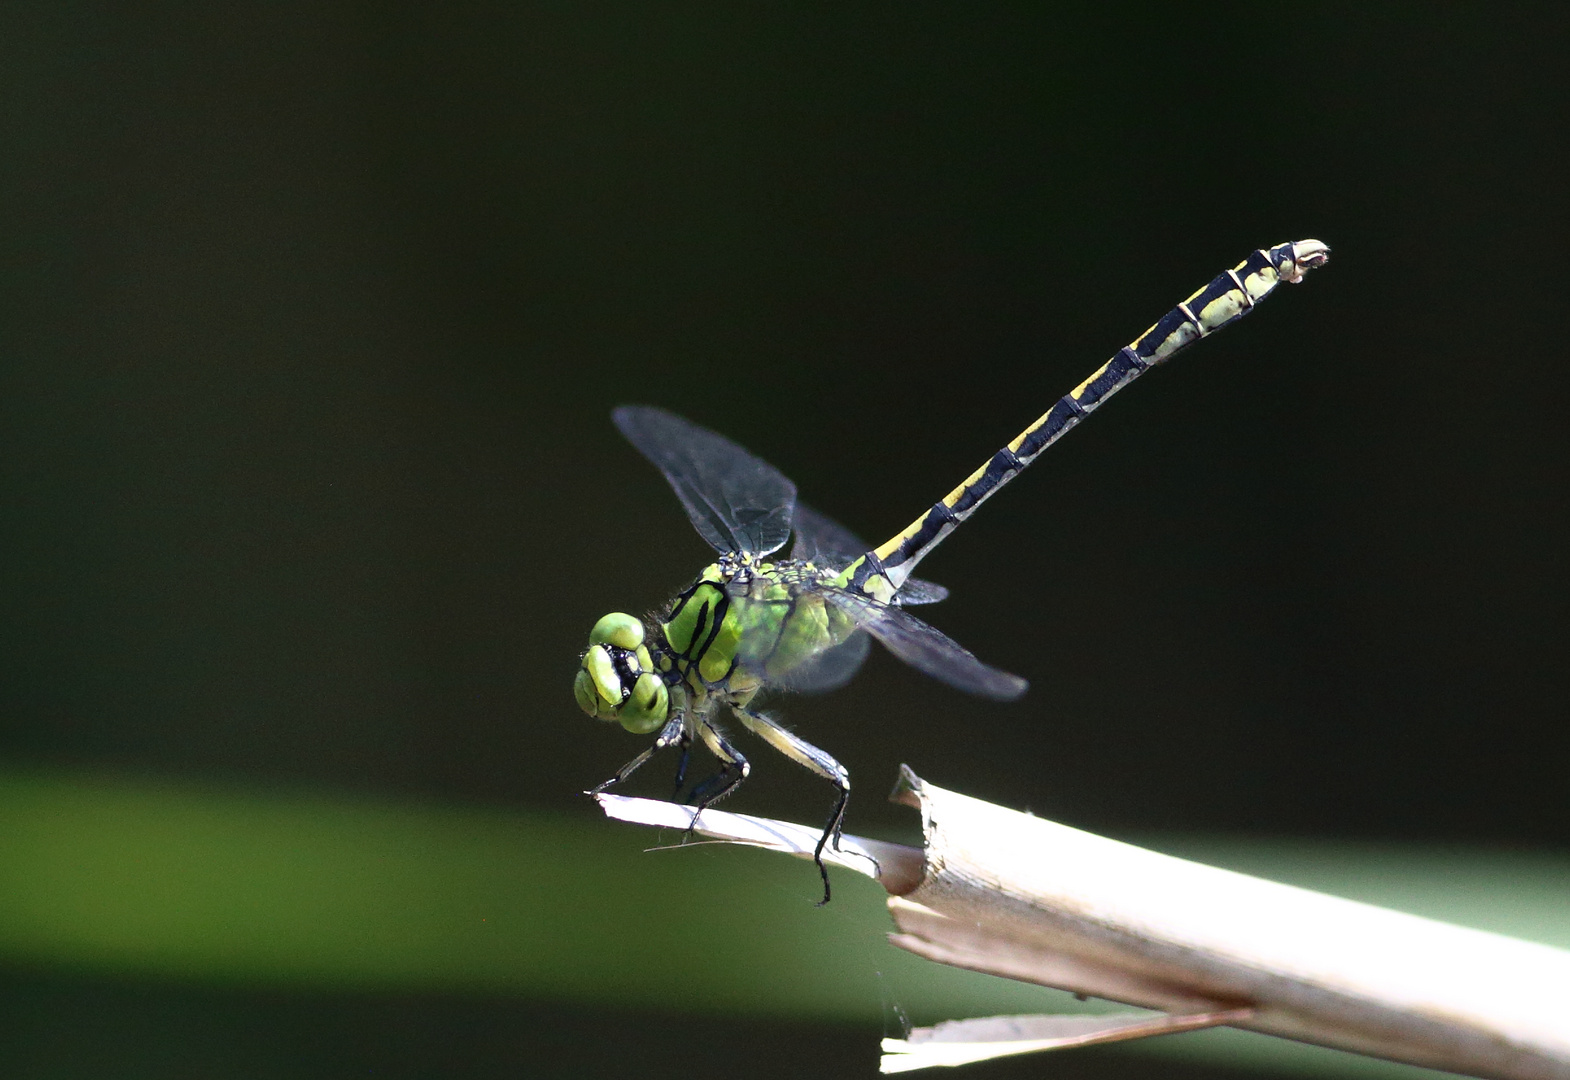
x: 716, y: 618
x: 677, y: 606
x: 693, y: 654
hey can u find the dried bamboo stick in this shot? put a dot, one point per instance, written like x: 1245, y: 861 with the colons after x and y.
x: 1014, y: 895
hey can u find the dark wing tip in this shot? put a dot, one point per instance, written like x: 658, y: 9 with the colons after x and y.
x: 628, y: 418
x: 1008, y: 687
x: 916, y: 591
x: 982, y: 680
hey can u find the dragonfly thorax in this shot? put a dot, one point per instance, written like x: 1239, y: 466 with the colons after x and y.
x: 748, y: 622
x: 703, y: 630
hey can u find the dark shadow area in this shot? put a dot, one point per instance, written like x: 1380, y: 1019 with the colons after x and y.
x: 63, y: 1028
x: 312, y: 316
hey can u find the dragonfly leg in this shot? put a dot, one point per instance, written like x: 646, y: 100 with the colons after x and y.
x: 733, y: 770
x: 810, y: 757
x: 681, y: 765
x: 671, y: 733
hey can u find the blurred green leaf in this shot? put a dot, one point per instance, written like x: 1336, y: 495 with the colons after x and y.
x: 141, y: 878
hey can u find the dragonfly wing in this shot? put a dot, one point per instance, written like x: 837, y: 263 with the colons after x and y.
x: 831, y: 669
x: 823, y: 541
x: 925, y: 648
x: 916, y: 591
x: 736, y: 501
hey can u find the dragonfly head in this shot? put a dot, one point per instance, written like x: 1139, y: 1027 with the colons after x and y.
x: 617, y: 680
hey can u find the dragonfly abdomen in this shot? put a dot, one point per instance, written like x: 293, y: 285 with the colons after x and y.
x: 1227, y: 298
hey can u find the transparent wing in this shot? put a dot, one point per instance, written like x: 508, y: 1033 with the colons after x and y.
x: 737, y: 502
x: 822, y: 540
x: 925, y: 648
x: 916, y: 591
x: 825, y: 542
x: 832, y: 669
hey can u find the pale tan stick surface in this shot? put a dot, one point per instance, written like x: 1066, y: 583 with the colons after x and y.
x: 1018, y: 896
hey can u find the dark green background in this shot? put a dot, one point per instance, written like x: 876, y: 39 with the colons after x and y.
x: 313, y: 316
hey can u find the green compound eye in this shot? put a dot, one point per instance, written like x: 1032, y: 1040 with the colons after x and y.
x: 647, y: 706
x: 602, y: 673
x: 617, y: 682
x: 619, y: 629
x: 583, y: 691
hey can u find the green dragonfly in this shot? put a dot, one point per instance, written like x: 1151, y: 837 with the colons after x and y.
x: 754, y: 621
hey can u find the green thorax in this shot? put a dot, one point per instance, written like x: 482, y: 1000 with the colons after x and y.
x: 746, y: 623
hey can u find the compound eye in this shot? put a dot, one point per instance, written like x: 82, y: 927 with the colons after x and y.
x: 616, y: 681
x: 647, y: 706
x: 603, y: 677
x: 618, y: 629
x: 583, y: 690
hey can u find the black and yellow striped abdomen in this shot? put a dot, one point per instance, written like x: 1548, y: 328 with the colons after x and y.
x: 1227, y: 298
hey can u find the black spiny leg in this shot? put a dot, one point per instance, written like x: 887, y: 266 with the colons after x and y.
x: 733, y: 770
x: 810, y: 757
x: 681, y: 764
x: 835, y: 823
x: 672, y: 732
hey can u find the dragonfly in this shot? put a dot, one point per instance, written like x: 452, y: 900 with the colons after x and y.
x: 754, y: 621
